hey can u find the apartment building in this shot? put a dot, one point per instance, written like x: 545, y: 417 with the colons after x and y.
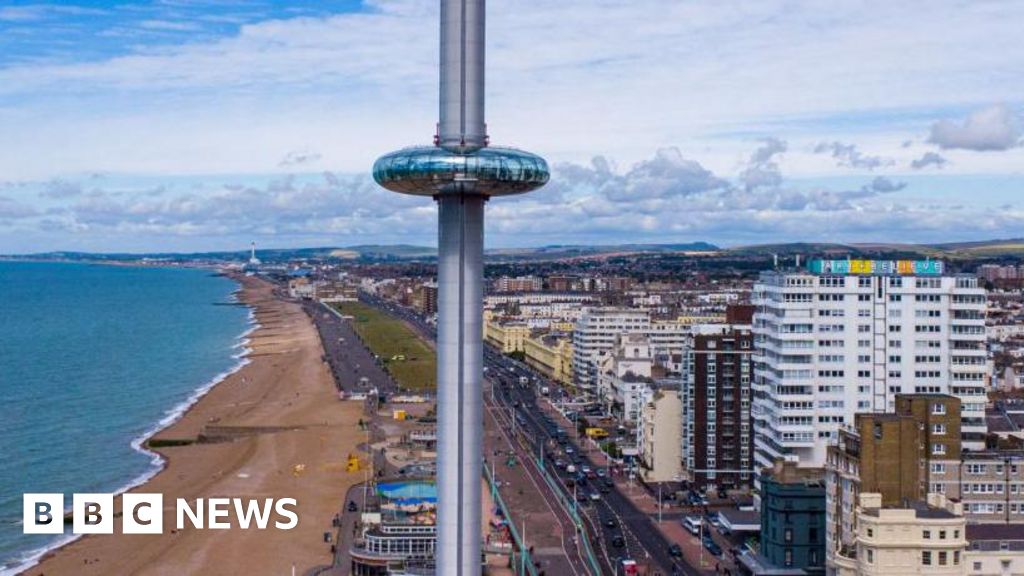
x: 792, y: 521
x: 658, y: 446
x: 717, y: 439
x: 990, y: 483
x: 994, y: 550
x: 847, y: 336
x: 424, y: 298
x: 518, y: 284
x: 626, y: 377
x: 919, y: 537
x: 597, y: 330
x: 885, y: 454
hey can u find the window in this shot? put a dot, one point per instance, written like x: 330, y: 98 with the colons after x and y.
x: 938, y: 468
x: 943, y: 558
x: 926, y: 557
x: 938, y: 408
x: 871, y: 556
x: 942, y: 534
x: 938, y: 428
x: 927, y: 535
x: 871, y: 532
x: 788, y: 536
x: 938, y: 448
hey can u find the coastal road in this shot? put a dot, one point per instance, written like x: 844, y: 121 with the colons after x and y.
x: 644, y: 542
x: 348, y: 358
x: 547, y: 518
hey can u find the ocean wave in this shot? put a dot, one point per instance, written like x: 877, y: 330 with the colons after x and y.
x: 157, y: 462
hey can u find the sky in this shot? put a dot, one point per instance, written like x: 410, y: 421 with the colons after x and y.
x: 192, y: 125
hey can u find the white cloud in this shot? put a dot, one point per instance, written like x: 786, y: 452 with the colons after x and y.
x: 995, y: 127
x: 299, y: 157
x: 849, y: 156
x: 763, y: 169
x: 929, y: 159
x: 569, y: 79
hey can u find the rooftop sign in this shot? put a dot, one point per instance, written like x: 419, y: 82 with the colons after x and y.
x: 877, y: 267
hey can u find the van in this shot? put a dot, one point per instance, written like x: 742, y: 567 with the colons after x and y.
x: 692, y: 524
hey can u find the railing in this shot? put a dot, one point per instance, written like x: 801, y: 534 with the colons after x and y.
x: 527, y: 561
x: 570, y: 505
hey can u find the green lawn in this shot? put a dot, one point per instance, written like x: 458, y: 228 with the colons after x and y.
x: 388, y: 337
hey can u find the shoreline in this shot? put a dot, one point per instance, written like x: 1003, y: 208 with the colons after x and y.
x: 158, y: 462
x: 186, y: 420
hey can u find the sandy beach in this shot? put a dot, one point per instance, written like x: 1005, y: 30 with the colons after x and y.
x: 299, y: 451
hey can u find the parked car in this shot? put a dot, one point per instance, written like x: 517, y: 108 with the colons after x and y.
x: 675, y: 551
x: 352, y: 506
x: 595, y: 496
x: 618, y: 541
x: 611, y: 523
x: 713, y: 548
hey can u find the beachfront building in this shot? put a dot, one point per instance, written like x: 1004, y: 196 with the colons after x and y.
x: 508, y: 337
x: 717, y: 440
x: 598, y: 329
x: 844, y: 337
x: 793, y: 518
x: 625, y: 381
x: 887, y: 454
x: 595, y: 334
x: 399, y: 531
x: 551, y: 354
x: 390, y: 548
x: 918, y: 537
x: 658, y: 449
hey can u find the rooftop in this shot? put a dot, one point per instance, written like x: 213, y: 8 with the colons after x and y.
x: 921, y: 510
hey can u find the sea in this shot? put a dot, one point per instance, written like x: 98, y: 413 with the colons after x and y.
x: 93, y: 360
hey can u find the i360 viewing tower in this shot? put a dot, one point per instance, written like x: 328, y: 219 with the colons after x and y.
x: 460, y: 172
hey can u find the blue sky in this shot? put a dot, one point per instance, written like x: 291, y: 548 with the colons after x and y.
x: 193, y: 125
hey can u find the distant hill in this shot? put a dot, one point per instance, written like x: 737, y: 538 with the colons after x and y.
x: 1013, y: 248
x: 949, y: 251
x: 376, y: 252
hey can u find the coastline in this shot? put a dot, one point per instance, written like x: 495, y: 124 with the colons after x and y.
x: 211, y: 404
x: 158, y: 462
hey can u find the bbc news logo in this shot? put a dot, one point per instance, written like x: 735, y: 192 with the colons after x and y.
x: 144, y: 513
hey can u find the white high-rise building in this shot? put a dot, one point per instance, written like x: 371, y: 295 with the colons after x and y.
x: 847, y: 336
x: 597, y: 330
